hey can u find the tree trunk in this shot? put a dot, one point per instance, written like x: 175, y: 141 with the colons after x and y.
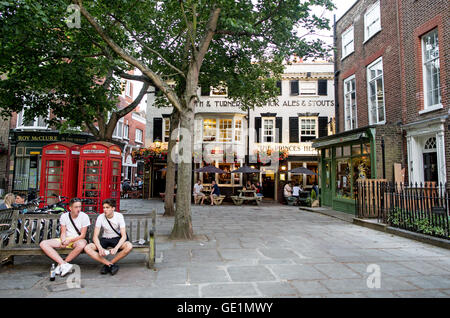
x: 182, y: 228
x: 169, y: 209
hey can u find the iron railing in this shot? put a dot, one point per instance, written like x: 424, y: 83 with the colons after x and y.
x: 418, y: 207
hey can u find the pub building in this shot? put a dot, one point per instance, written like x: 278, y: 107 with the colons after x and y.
x: 303, y: 111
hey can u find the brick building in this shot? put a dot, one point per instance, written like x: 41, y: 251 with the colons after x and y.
x: 391, y: 98
x: 425, y: 61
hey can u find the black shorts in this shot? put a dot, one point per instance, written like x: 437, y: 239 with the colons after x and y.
x: 110, y: 242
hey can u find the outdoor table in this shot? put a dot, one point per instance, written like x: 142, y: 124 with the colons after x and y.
x: 246, y: 195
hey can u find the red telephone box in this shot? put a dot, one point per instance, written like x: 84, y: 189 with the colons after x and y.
x: 59, y: 171
x: 99, y: 175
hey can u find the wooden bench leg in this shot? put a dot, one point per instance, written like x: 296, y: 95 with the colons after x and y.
x: 151, y: 252
x: 8, y: 260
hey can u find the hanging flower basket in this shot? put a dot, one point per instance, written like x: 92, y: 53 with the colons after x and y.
x: 266, y: 156
x: 149, y: 155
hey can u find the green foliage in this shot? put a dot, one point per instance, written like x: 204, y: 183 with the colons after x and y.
x: 421, y: 225
x: 252, y: 40
x: 313, y: 195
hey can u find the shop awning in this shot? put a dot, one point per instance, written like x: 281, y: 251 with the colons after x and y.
x: 340, y: 140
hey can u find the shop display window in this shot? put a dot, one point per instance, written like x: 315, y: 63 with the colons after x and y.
x: 343, y: 178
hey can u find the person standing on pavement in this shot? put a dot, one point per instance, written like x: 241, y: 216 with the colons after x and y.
x: 74, y: 225
x: 114, y: 237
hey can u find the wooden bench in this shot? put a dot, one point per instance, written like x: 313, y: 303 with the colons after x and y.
x: 140, y: 227
x: 217, y: 200
x: 239, y: 200
x: 136, y: 194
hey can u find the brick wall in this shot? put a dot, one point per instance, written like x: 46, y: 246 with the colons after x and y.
x: 418, y: 18
x: 383, y: 44
x: 393, y: 149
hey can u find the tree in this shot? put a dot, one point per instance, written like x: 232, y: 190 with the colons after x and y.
x: 46, y: 65
x: 181, y: 45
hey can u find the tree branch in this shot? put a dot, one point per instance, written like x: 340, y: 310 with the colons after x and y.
x: 171, y: 95
x: 145, y: 46
x: 135, y: 103
x: 210, y: 31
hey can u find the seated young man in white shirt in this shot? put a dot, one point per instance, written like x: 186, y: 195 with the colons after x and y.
x: 114, y: 237
x: 71, y: 237
x: 198, y: 187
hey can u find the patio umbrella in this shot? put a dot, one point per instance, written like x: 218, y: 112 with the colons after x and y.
x: 210, y: 169
x: 303, y: 170
x: 245, y: 169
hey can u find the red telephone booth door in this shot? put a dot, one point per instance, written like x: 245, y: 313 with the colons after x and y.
x: 53, y: 185
x: 115, y: 182
x: 92, y: 184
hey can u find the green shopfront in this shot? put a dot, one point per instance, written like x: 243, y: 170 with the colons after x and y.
x: 345, y: 158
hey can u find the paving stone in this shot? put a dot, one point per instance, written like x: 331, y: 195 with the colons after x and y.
x: 278, y: 253
x: 299, y: 272
x: 337, y: 271
x: 250, y: 274
x: 199, y: 275
x: 422, y: 294
x: 276, y: 289
x: 309, y: 287
x: 429, y: 282
x: 177, y: 275
x: 235, y: 253
x: 228, y: 290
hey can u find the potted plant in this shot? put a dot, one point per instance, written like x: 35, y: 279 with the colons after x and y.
x: 314, y: 202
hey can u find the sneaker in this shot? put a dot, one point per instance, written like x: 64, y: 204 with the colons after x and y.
x: 105, y: 269
x: 114, y: 269
x: 58, y: 270
x: 66, y: 268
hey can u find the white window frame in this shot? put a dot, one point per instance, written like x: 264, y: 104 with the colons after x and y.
x: 215, y: 129
x: 379, y: 60
x: 166, y: 132
x: 138, y: 137
x: 225, y: 130
x: 375, y: 6
x: 128, y: 88
x: 351, y: 115
x: 346, y: 40
x: 316, y: 127
x: 264, y: 135
x: 237, y: 130
x: 233, y: 129
x: 302, y: 85
x: 126, y: 131
x: 426, y: 84
x: 20, y: 119
x: 118, y: 130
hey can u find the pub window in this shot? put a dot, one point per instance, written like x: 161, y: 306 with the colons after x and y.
x: 308, y: 129
x: 225, y: 178
x: 237, y: 130
x: 279, y: 86
x: 294, y: 88
x: 166, y: 135
x: 322, y: 87
x: 269, y: 130
x: 225, y: 130
x: 308, y: 88
x: 209, y: 130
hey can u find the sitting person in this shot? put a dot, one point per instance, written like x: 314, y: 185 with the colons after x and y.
x: 215, y: 192
x: 114, y: 236
x: 249, y: 186
x: 259, y: 189
x: 198, y: 187
x: 287, y: 190
x: 8, y: 201
x: 296, y: 191
x: 74, y: 226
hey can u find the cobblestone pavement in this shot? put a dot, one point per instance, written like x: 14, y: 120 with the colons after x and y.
x: 251, y: 251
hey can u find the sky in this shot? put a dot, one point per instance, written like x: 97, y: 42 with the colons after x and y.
x: 327, y: 36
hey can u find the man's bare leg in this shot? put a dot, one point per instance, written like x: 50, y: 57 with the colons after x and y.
x: 78, y: 247
x: 91, y: 250
x: 125, y: 249
x: 48, y: 246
